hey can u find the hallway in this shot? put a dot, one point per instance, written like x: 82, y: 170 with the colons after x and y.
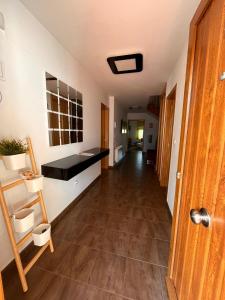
x: 113, y: 244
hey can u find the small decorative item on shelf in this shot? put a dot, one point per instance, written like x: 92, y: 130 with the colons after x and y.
x: 34, y: 183
x: 13, y: 152
x: 41, y: 234
x: 23, y: 220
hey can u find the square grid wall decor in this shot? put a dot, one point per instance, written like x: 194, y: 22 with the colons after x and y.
x: 65, y: 112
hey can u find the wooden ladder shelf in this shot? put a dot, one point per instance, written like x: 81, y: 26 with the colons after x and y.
x: 16, y: 246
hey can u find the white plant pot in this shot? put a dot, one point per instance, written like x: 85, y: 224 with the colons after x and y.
x: 34, y: 185
x: 15, y: 162
x: 40, y: 238
x: 23, y: 220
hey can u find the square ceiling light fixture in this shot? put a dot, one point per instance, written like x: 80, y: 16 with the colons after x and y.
x: 126, y: 63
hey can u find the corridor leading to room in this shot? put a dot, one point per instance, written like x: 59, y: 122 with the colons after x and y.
x: 113, y: 244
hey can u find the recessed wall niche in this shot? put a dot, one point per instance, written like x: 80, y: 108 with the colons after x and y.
x: 65, y: 112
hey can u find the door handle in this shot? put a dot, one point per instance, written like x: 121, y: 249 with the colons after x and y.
x: 200, y: 217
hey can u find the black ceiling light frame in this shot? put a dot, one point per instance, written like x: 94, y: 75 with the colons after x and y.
x: 138, y: 58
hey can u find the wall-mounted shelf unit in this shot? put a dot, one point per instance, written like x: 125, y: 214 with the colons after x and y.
x: 68, y: 167
x: 16, y: 245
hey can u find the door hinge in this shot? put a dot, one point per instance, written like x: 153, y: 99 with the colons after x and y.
x: 222, y: 76
x: 179, y: 175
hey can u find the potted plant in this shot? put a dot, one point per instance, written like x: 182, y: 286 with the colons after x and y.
x: 34, y: 183
x: 13, y: 152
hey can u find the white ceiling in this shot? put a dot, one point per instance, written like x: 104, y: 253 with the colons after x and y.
x: 93, y: 30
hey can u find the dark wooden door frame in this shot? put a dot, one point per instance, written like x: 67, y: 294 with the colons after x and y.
x: 166, y: 136
x: 160, y: 133
x: 104, y: 134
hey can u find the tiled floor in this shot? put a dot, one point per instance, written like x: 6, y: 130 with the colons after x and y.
x: 113, y: 245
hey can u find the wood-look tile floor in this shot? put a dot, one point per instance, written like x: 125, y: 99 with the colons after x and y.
x: 112, y: 245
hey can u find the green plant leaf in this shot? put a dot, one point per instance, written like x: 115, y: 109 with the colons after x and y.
x: 12, y: 147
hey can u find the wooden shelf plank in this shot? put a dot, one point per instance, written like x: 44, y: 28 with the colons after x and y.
x: 28, y: 203
x: 24, y: 239
x: 32, y: 203
x: 35, y: 258
x: 11, y: 184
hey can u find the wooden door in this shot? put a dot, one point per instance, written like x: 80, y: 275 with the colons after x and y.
x: 197, y: 258
x: 104, y: 133
x: 160, y: 133
x: 1, y: 288
x: 168, y: 108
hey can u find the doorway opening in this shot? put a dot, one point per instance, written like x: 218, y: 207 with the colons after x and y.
x: 104, y: 134
x: 136, y: 130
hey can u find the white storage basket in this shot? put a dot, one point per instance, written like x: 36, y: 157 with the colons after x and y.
x: 15, y: 162
x: 23, y: 220
x: 41, y: 234
x: 35, y: 184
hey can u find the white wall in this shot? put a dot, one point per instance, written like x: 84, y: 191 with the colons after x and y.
x: 116, y: 138
x: 177, y: 76
x: 147, y: 131
x: 30, y: 51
